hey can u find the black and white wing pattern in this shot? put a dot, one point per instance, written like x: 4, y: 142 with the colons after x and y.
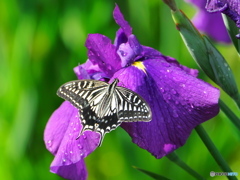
x: 102, y: 106
x: 132, y: 107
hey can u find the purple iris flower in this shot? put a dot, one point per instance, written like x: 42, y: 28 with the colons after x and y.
x: 211, y: 24
x: 229, y: 7
x: 178, y: 100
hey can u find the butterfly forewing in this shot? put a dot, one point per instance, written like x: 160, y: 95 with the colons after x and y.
x: 102, y: 106
x: 78, y: 91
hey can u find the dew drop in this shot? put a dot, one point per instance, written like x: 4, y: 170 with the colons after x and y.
x: 49, y: 143
x: 173, y: 91
x: 205, y: 92
x: 70, y: 152
x: 80, y: 146
x: 168, y: 70
x: 175, y: 114
x: 162, y: 90
x: 81, y: 154
x: 123, y: 53
x: 84, y: 136
x: 182, y: 85
x: 64, y: 160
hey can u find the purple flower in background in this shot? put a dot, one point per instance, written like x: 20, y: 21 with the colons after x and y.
x: 178, y: 100
x: 211, y: 24
x: 229, y: 7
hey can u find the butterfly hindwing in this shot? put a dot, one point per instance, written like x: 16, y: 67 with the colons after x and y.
x: 132, y: 107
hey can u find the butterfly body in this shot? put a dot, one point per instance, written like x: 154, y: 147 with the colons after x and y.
x: 102, y: 106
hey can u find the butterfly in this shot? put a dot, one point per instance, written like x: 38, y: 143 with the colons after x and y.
x: 102, y: 106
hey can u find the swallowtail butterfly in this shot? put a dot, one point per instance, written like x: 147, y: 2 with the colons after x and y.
x: 102, y: 106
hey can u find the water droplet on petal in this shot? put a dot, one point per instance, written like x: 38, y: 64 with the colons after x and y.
x: 80, y: 146
x: 81, y: 154
x: 123, y: 53
x: 175, y: 114
x: 49, y: 143
x: 173, y: 91
x: 162, y: 90
x: 182, y: 85
x: 70, y: 152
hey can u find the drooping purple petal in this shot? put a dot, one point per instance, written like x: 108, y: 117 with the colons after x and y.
x: 76, y: 171
x: 178, y: 100
x: 103, y: 53
x: 209, y: 23
x: 60, y: 136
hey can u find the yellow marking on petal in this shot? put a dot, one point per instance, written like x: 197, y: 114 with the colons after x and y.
x: 140, y: 65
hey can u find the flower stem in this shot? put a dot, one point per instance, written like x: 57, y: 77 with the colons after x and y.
x: 214, y: 151
x: 237, y: 100
x: 235, y: 120
x: 174, y: 158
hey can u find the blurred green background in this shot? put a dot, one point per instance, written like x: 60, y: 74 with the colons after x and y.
x: 40, y: 43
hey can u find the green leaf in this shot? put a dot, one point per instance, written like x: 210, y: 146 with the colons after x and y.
x: 151, y: 174
x: 194, y: 42
x: 223, y: 74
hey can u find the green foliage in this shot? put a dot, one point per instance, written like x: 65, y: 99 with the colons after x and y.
x: 40, y: 43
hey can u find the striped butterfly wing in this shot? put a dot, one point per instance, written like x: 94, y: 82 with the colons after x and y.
x: 79, y: 93
x: 97, y: 109
x: 132, y: 107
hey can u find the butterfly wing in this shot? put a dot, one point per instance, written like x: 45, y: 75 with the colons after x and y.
x: 77, y: 92
x: 97, y: 109
x: 132, y: 107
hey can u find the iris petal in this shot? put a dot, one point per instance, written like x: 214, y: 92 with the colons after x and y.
x: 178, y: 100
x: 103, y: 53
x: 117, y: 15
x: 76, y: 171
x: 62, y: 130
